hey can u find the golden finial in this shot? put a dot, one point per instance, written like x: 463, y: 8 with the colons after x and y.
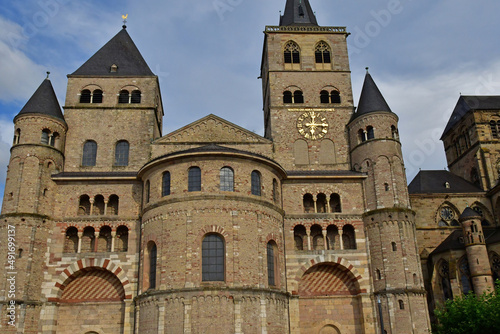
x: 124, y: 17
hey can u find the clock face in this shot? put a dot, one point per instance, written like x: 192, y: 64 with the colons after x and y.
x: 446, y: 213
x: 311, y: 125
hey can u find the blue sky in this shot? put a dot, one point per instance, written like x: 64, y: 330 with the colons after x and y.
x: 422, y: 55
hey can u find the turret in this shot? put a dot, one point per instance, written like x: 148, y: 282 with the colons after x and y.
x: 388, y: 219
x: 477, y: 254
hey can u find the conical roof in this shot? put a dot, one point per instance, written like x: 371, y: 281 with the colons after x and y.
x: 298, y: 12
x: 469, y: 213
x: 43, y: 101
x: 371, y: 99
x: 120, y: 51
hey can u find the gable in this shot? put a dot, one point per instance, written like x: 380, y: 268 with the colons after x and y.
x: 212, y: 129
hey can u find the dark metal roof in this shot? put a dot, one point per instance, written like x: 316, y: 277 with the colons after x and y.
x: 371, y: 100
x: 434, y: 181
x: 43, y: 101
x: 298, y: 12
x: 454, y: 241
x: 471, y: 102
x: 469, y: 213
x: 120, y: 51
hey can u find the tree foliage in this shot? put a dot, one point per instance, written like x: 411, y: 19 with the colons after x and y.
x: 470, y: 314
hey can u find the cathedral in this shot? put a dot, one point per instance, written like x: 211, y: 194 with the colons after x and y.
x: 109, y: 226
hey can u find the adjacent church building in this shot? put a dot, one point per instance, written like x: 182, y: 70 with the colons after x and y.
x: 117, y: 228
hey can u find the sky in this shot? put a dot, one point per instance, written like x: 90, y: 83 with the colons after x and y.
x: 422, y: 55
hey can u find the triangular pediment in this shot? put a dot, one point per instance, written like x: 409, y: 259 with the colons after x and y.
x: 212, y: 129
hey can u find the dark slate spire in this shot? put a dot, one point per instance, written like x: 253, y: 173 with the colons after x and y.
x: 118, y: 57
x: 298, y: 12
x: 44, y: 102
x: 371, y: 99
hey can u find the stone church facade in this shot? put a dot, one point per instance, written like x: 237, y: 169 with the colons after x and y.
x: 311, y: 228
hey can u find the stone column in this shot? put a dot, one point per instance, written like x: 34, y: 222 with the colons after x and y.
x: 80, y: 235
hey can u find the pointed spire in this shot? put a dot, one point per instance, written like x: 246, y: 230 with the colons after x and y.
x: 43, y: 101
x: 120, y: 51
x: 371, y: 99
x: 298, y: 12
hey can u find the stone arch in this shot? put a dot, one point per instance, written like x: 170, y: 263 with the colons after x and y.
x: 69, y: 273
x: 329, y: 329
x: 437, y: 215
x: 327, y: 259
x: 212, y: 229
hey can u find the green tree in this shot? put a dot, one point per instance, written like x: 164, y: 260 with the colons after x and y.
x: 470, y: 314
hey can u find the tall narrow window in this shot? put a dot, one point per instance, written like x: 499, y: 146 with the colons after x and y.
x: 324, y: 97
x: 71, y: 241
x: 165, y: 184
x: 121, y: 153
x: 335, y: 205
x: 17, y: 136
x: 152, y: 265
x: 135, y: 97
x: 89, y: 153
x: 85, y: 96
x: 275, y: 191
x: 292, y: 53
x: 123, y: 97
x: 322, y: 53
x: 84, y: 206
x: 335, y: 96
x: 98, y: 207
x: 45, y: 137
x: 444, y: 273
x: 298, y: 97
x: 361, y: 136
x: 494, y: 131
x: 97, y: 96
x: 256, y: 186
x: 212, y: 250
x: 287, y: 97
x: 147, y: 189
x: 226, y: 177
x: 465, y: 276
x: 113, y: 203
x: 370, y: 132
x: 122, y: 239
x: 271, y: 263
x: 194, y: 179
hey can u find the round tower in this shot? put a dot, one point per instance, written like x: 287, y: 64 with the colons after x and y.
x: 389, y: 221
x: 477, y: 254
x: 36, y: 153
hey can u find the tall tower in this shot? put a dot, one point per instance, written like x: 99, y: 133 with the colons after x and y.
x: 477, y: 253
x: 307, y: 94
x: 40, y: 131
x: 388, y: 219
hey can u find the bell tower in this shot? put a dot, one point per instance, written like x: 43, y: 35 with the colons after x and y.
x: 307, y: 93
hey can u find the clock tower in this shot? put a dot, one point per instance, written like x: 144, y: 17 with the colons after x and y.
x: 307, y: 91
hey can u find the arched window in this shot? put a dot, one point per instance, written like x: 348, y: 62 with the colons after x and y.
x: 256, y: 186
x: 121, y: 239
x: 401, y: 305
x: 335, y: 96
x: 113, y: 203
x: 495, y: 265
x: 123, y: 97
x: 272, y: 263
x: 135, y: 97
x: 54, y: 140
x: 335, y: 205
x: 321, y: 203
x: 104, y: 240
x: 147, y: 189
x: 394, y: 132
x: 465, y: 276
x: 298, y: 97
x: 275, y: 191
x: 97, y: 96
x: 121, y: 153
x: 165, y: 184
x: 324, y: 96
x: 444, y: 274
x: 361, y: 136
x: 287, y: 97
x: 370, y: 133
x: 84, y: 205
x: 226, y: 176
x: 212, y: 250
x: 299, y: 236
x: 71, y: 241
x: 17, y: 136
x: 494, y: 129
x: 152, y: 264
x: 45, y: 137
x: 333, y: 238
x: 322, y: 53
x: 98, y: 208
x: 89, y: 153
x: 394, y: 246
x: 291, y: 53
x: 194, y: 179
x: 85, y: 96
x: 308, y: 202
x: 318, y: 241
x: 349, y: 237
x: 88, y: 239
